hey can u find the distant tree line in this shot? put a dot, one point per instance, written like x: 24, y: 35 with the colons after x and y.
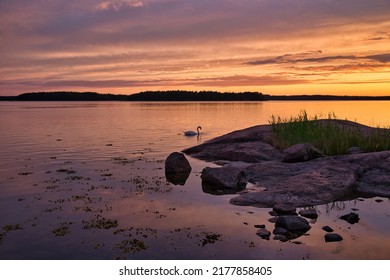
x: 182, y: 95
x: 175, y: 95
x: 319, y: 97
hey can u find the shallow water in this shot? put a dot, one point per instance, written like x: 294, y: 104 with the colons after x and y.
x: 86, y: 181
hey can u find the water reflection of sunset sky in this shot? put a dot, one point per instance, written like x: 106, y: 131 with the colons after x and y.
x: 125, y: 46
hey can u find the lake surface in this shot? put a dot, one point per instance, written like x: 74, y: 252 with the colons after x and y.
x: 85, y: 180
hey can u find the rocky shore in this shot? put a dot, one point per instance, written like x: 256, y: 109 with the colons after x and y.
x: 300, y: 176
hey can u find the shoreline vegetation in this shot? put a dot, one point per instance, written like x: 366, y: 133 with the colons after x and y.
x: 179, y: 95
x: 330, y: 135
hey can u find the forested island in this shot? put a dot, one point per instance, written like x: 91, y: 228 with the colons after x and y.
x: 175, y: 95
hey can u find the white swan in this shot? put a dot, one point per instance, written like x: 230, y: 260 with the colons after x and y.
x: 193, y: 133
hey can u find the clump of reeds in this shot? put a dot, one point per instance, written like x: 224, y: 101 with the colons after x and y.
x: 331, y: 136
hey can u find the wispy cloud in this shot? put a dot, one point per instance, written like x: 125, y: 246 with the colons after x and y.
x: 118, y: 4
x: 297, y: 58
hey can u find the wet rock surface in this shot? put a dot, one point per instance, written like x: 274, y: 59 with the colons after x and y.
x: 327, y: 228
x: 263, y: 233
x: 300, y: 184
x: 282, y: 209
x: 177, y: 163
x: 223, y: 180
x: 177, y: 168
x: 292, y: 223
x: 351, y: 218
x: 333, y: 237
x: 310, y: 213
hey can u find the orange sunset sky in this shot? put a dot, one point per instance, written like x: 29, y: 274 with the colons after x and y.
x: 126, y: 46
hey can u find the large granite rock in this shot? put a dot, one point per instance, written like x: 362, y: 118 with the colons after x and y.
x: 302, y: 184
x: 250, y: 145
x: 299, y: 185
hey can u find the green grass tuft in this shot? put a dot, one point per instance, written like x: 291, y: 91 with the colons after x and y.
x: 332, y: 137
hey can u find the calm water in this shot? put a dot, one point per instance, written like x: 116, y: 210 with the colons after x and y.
x: 86, y: 181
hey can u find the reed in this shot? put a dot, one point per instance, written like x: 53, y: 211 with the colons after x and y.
x: 332, y: 136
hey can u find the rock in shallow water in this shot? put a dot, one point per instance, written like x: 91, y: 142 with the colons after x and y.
x: 327, y: 228
x: 351, y: 218
x: 310, y: 213
x: 333, y: 237
x: 225, y: 179
x: 292, y: 223
x: 263, y: 233
x: 283, y: 209
x: 177, y: 163
x: 177, y: 168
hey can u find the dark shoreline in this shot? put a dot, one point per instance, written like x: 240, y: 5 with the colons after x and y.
x: 162, y: 96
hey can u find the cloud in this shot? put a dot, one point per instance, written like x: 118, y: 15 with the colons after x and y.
x: 185, y: 43
x: 118, y: 4
x: 216, y: 82
x: 383, y: 58
x: 297, y: 58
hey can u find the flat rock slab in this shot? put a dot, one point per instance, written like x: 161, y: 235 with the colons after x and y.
x: 298, y: 185
x: 302, y: 184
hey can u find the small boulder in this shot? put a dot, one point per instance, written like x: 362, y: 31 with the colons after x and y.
x: 177, y: 168
x: 351, y: 218
x: 283, y: 209
x: 260, y: 226
x: 263, y: 233
x: 300, y: 153
x: 280, y: 237
x: 226, y: 179
x: 292, y: 223
x: 280, y: 231
x: 327, y: 228
x: 333, y: 237
x: 177, y: 163
x: 310, y: 213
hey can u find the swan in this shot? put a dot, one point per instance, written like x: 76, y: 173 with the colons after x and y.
x: 193, y: 133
